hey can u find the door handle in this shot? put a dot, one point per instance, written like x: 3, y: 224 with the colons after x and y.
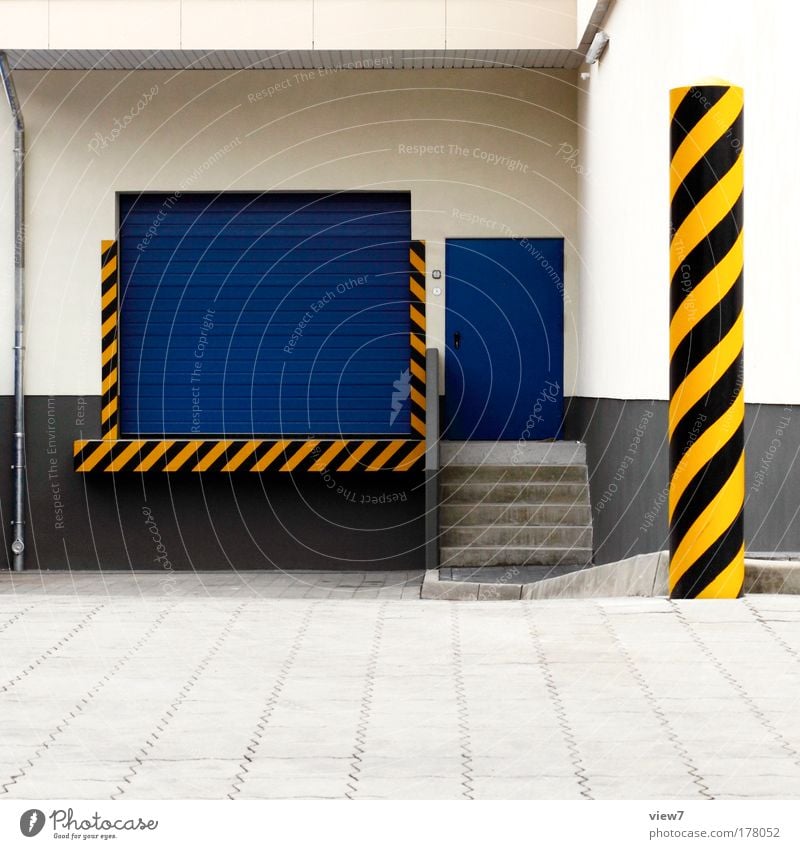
x: 456, y: 340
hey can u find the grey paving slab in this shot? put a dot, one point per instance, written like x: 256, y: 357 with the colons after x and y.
x: 36, y: 586
x: 541, y: 762
x: 416, y: 787
x: 522, y: 788
x: 748, y: 786
x: 303, y: 787
x: 334, y: 769
x: 610, y: 787
x: 229, y: 690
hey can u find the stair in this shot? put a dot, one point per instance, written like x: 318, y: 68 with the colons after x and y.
x: 504, y: 504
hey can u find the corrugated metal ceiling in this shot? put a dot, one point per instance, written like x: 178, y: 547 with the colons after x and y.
x: 107, y: 60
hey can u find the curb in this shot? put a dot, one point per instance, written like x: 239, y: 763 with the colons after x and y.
x: 777, y: 577
x: 642, y: 576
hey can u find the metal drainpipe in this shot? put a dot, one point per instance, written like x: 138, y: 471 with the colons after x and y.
x: 18, y: 522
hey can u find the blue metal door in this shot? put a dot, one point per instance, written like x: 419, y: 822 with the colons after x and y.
x: 504, y: 361
x: 274, y: 313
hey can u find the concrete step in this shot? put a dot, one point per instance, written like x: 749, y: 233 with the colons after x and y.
x: 500, y: 574
x: 514, y: 474
x: 514, y: 504
x: 517, y: 555
x: 515, y: 493
x: 514, y: 453
x: 487, y: 513
x: 549, y: 536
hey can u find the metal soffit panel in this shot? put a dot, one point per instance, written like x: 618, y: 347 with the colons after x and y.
x: 207, y: 60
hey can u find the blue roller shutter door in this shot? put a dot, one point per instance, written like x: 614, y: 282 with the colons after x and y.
x: 275, y: 313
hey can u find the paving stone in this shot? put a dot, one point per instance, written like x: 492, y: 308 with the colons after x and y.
x: 746, y: 785
x: 483, y: 711
x: 539, y: 788
x: 447, y: 765
x: 297, y: 767
x: 292, y: 788
x: 645, y: 787
x: 410, y: 742
x: 53, y: 789
x: 190, y: 771
x: 420, y: 787
x: 754, y: 764
x: 550, y: 761
x: 189, y: 789
x: 289, y: 745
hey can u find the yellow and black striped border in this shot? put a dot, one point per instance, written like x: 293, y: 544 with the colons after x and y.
x: 112, y: 454
x: 249, y: 455
x: 417, y: 312
x: 706, y: 410
x: 109, y: 405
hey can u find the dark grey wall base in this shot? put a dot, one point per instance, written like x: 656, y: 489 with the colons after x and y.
x: 192, y: 521
x: 626, y: 452
x: 354, y: 521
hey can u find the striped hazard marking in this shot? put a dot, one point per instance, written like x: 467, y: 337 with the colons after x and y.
x: 109, y: 297
x: 706, y: 410
x: 249, y: 455
x: 418, y: 331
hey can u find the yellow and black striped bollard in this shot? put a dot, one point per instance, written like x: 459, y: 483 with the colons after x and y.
x: 706, y: 408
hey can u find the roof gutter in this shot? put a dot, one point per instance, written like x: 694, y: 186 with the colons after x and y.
x: 18, y: 467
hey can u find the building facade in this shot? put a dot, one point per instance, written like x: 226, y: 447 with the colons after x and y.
x: 247, y: 222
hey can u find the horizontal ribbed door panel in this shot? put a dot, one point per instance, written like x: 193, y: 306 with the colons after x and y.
x: 272, y: 313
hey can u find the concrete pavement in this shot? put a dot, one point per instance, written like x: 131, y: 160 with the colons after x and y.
x: 112, y: 692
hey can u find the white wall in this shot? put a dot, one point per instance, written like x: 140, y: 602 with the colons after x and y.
x: 624, y: 218
x: 583, y: 12
x: 308, y: 130
x: 287, y: 24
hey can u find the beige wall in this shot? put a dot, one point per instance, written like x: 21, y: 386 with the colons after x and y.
x: 207, y: 130
x: 288, y: 24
